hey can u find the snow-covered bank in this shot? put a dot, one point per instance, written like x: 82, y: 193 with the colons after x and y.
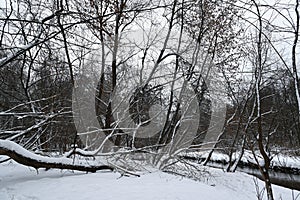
x: 23, y: 183
x: 278, y: 160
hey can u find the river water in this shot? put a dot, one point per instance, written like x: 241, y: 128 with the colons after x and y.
x: 288, y: 180
x: 283, y: 179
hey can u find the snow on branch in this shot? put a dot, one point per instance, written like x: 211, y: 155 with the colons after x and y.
x: 25, y: 157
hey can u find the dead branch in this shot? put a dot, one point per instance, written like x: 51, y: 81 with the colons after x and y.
x: 25, y: 157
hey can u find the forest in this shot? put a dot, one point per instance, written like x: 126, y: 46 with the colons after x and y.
x: 161, y: 83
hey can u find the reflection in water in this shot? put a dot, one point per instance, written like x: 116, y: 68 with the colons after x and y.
x: 287, y: 180
x: 283, y: 179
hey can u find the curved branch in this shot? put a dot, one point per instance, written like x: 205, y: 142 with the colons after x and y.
x: 25, y: 157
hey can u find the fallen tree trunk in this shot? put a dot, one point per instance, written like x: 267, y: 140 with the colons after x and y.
x: 25, y: 157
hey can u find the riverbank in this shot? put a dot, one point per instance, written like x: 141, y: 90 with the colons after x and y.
x: 22, y: 182
x: 284, y: 171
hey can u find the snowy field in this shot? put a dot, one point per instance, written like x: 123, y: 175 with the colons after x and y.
x: 18, y: 182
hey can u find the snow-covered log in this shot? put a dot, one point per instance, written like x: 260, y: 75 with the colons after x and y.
x: 25, y: 157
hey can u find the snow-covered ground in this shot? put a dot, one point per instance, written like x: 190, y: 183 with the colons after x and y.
x: 23, y: 183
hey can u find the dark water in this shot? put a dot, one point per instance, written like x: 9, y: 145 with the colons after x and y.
x: 288, y: 180
x: 291, y: 181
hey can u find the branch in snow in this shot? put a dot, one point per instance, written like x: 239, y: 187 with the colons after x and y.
x: 25, y: 157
